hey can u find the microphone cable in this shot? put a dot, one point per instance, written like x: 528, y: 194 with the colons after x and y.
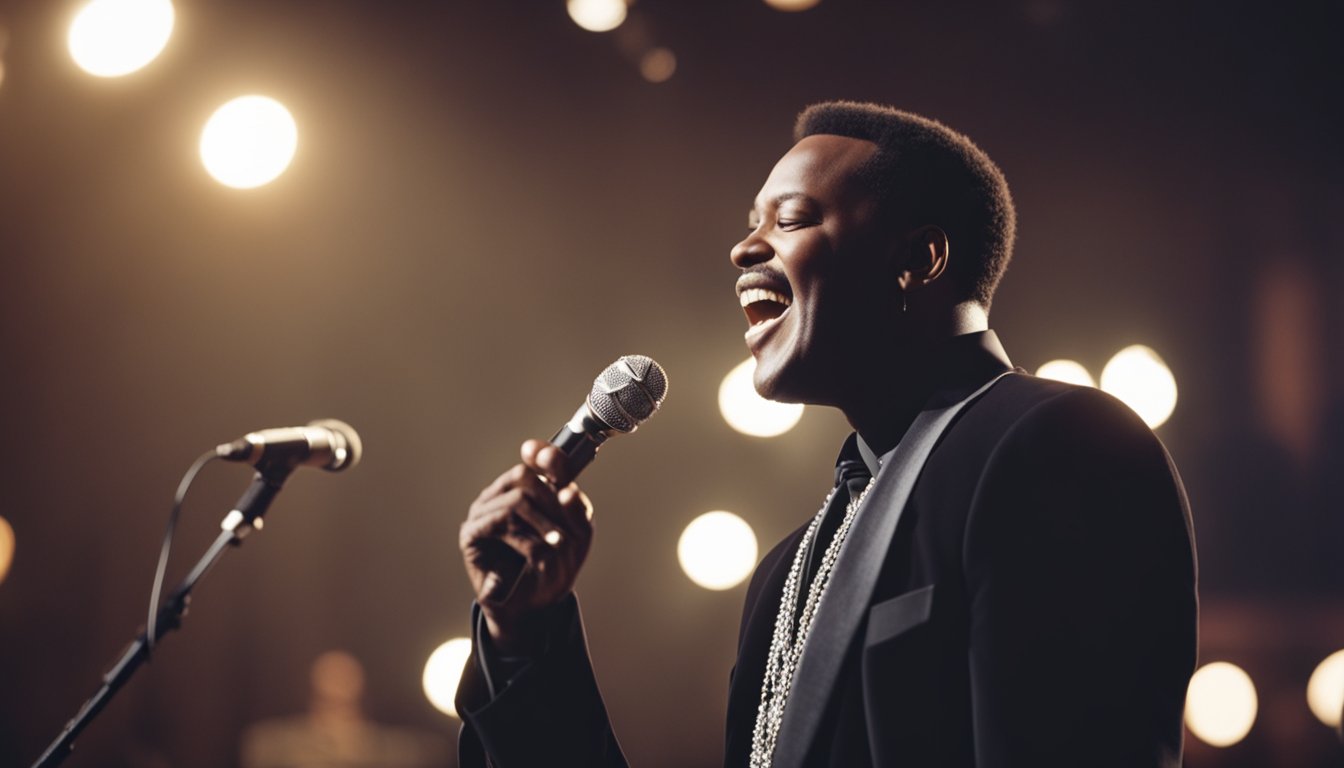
x: 151, y: 625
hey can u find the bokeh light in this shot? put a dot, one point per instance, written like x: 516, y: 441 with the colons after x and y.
x: 792, y: 5
x: 597, y: 15
x: 249, y: 142
x: 1139, y: 378
x: 748, y: 412
x: 658, y: 65
x: 110, y: 38
x: 717, y: 550
x: 1069, y: 371
x: 443, y: 671
x: 6, y: 548
x: 1221, y: 704
x: 1325, y: 689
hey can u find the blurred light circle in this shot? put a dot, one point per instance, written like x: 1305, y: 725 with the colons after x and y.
x: 1068, y: 371
x: 748, y: 412
x: 792, y: 5
x: 1325, y: 689
x: 1139, y: 378
x: 1221, y: 704
x: 717, y: 550
x: 249, y: 142
x: 443, y: 672
x: 110, y: 38
x: 658, y: 65
x: 6, y: 548
x: 597, y: 15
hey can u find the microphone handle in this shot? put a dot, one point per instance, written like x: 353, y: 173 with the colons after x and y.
x: 580, y: 438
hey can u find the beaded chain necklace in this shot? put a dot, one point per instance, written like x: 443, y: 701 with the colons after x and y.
x: 786, y: 646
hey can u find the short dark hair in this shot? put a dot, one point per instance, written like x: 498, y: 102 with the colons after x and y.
x: 928, y: 173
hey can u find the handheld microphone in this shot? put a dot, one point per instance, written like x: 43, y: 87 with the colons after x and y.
x: 326, y: 443
x: 625, y: 394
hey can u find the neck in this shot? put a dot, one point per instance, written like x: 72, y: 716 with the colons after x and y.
x: 895, y: 392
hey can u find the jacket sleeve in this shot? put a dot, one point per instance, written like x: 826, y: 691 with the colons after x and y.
x: 1080, y: 571
x: 549, y: 711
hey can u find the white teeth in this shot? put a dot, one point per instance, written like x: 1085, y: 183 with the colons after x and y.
x: 753, y: 295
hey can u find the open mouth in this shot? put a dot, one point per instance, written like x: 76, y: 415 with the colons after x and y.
x: 763, y: 305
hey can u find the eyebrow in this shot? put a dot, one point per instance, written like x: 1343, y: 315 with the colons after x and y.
x: 784, y: 197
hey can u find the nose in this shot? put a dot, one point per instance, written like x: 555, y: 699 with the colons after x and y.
x: 752, y: 250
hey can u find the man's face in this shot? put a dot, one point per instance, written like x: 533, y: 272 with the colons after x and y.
x: 817, y: 283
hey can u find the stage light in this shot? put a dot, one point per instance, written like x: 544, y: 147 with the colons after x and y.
x: 748, y: 412
x: 248, y: 142
x: 1067, y: 371
x: 792, y: 5
x: 1221, y: 704
x: 1325, y: 689
x: 658, y: 65
x: 443, y: 672
x: 597, y: 15
x: 717, y: 550
x: 1139, y: 378
x: 6, y: 548
x: 111, y: 38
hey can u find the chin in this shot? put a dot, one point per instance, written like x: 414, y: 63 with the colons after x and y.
x: 780, y: 384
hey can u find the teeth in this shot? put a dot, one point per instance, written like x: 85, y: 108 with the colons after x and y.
x: 753, y: 295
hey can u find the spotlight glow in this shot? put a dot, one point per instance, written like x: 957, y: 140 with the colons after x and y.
x: 597, y: 15
x: 249, y: 142
x: 1139, y: 378
x: 6, y: 548
x: 792, y: 5
x: 717, y: 550
x: 1067, y: 371
x: 443, y: 672
x: 1325, y: 689
x: 1221, y: 704
x: 748, y: 412
x: 658, y: 65
x: 111, y: 38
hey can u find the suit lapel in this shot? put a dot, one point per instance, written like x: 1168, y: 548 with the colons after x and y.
x: 851, y: 584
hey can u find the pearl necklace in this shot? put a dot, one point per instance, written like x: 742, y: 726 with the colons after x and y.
x: 786, y: 646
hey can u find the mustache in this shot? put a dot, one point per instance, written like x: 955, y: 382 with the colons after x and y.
x: 769, y: 273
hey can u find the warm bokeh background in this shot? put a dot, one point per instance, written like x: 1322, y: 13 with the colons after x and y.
x: 489, y: 204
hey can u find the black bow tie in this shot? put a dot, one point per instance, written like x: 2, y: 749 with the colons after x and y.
x: 854, y: 474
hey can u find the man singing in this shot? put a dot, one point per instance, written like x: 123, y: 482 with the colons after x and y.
x: 1004, y: 573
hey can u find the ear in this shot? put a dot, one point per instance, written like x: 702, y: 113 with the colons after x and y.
x: 924, y: 258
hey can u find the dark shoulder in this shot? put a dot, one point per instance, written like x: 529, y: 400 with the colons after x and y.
x: 1071, y: 452
x: 1026, y: 412
x: 1065, y: 419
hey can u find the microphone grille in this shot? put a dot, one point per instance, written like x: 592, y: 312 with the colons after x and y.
x: 628, y: 392
x: 347, y: 448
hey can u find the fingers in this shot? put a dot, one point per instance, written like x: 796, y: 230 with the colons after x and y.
x: 519, y: 495
x: 576, y: 505
x: 506, y: 518
x: 526, y: 535
x: 548, y: 461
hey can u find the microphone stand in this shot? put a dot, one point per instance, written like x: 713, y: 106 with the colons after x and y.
x: 245, y: 517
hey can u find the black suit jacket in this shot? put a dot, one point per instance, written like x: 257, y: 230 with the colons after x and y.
x: 1036, y: 607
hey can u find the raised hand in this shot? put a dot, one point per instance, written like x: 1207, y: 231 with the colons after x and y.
x: 523, y: 542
